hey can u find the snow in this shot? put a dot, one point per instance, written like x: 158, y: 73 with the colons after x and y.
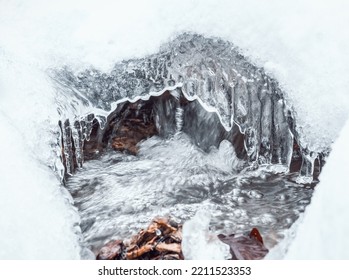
x: 304, y: 44
x: 37, y: 219
x: 36, y: 222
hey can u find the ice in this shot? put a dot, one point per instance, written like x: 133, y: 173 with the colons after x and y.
x: 179, y: 119
x: 198, y: 243
x: 209, y: 70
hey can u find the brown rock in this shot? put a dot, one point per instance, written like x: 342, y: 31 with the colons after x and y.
x: 171, y: 247
x: 111, y: 251
x: 158, y: 240
x: 172, y: 257
x: 125, y: 144
x: 130, y: 133
x: 136, y: 253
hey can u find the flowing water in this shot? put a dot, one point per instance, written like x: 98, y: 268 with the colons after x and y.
x: 220, y: 137
x: 117, y: 194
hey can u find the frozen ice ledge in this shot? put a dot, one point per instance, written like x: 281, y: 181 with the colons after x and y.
x: 202, y: 86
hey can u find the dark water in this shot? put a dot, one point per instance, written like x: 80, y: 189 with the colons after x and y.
x: 118, y: 194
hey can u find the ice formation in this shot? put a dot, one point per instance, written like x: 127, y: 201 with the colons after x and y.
x: 199, y: 244
x: 209, y: 70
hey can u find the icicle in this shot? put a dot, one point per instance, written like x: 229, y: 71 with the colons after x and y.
x: 265, y: 153
x: 241, y: 105
x: 72, y: 142
x: 87, y: 126
x: 78, y: 143
x: 68, y: 147
x: 102, y: 120
x: 283, y: 138
x: 307, y: 169
x: 58, y: 166
x: 253, y: 132
x: 179, y: 119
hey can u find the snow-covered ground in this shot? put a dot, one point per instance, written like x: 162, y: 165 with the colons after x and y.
x: 304, y: 44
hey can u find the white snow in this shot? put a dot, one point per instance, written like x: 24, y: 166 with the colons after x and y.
x: 35, y: 220
x: 304, y: 44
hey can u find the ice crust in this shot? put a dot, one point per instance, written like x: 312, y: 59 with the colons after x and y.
x: 198, y: 243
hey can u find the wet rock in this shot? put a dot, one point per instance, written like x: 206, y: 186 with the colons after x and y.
x: 111, y: 251
x: 125, y: 144
x: 157, y: 241
x: 130, y: 133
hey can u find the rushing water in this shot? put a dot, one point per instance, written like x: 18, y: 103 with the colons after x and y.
x: 220, y: 137
x: 117, y: 194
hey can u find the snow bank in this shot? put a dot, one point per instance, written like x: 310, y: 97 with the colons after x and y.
x: 36, y: 222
